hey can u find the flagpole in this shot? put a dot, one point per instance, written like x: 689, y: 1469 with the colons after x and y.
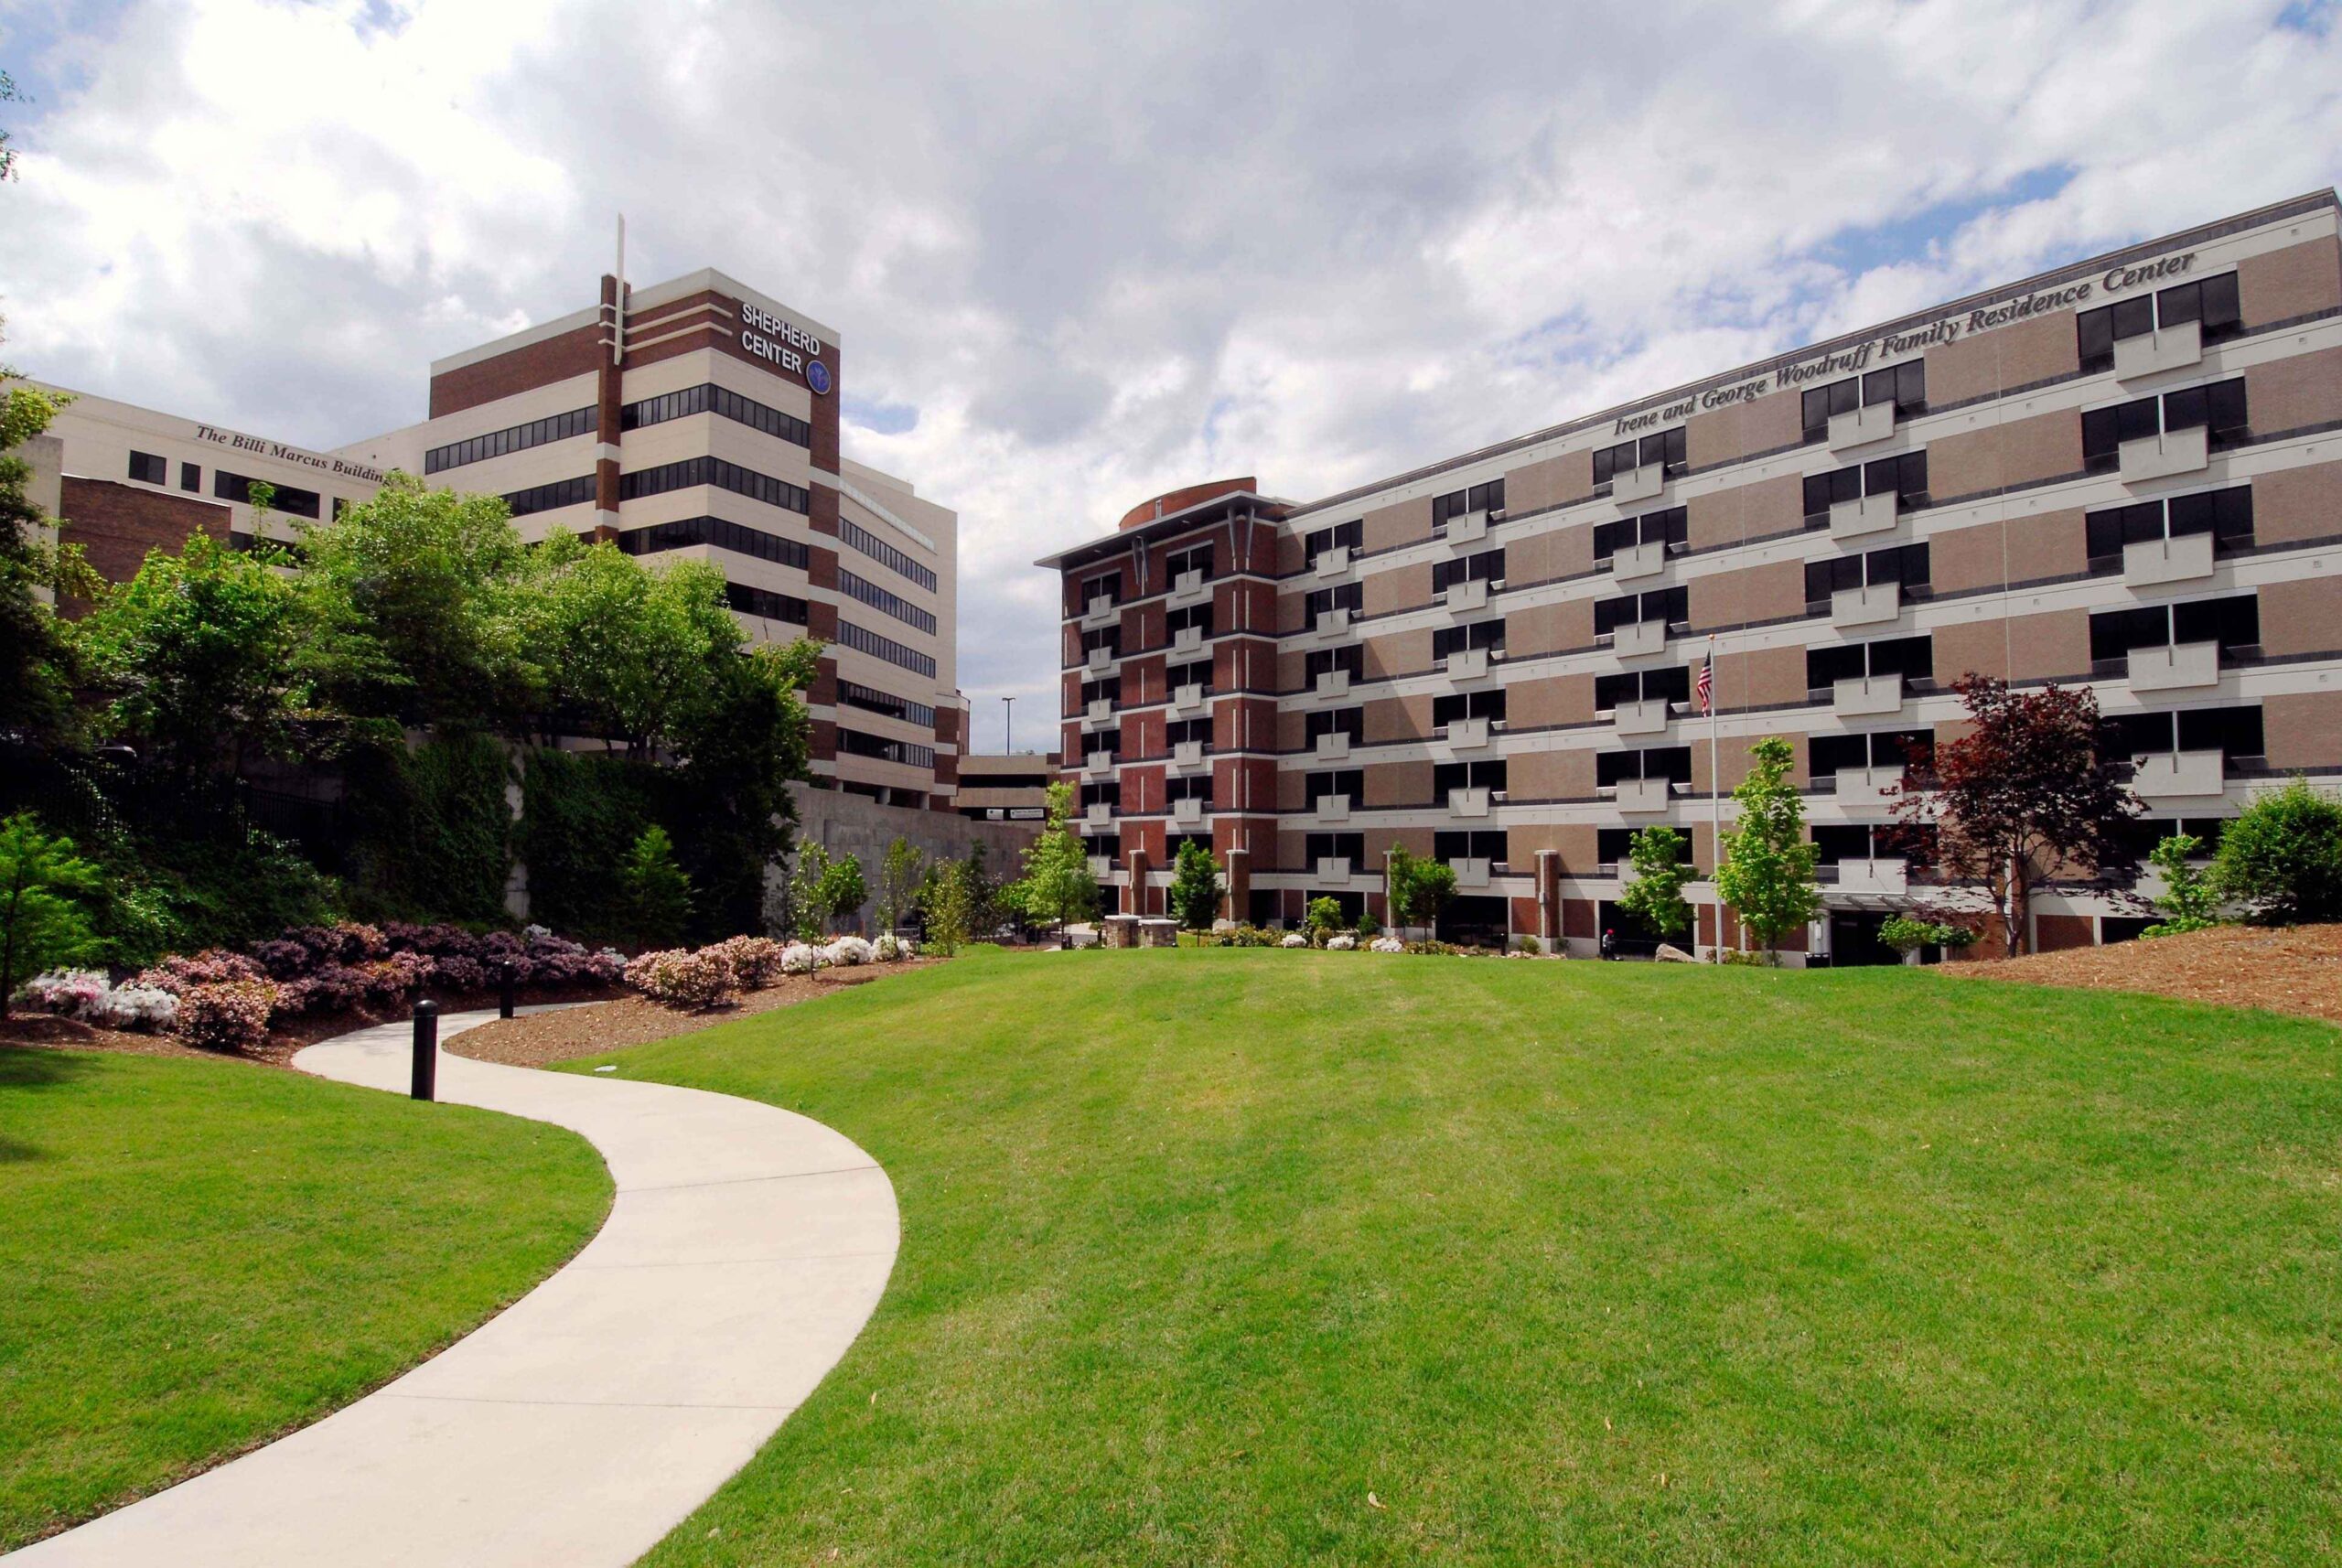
x: 1715, y: 797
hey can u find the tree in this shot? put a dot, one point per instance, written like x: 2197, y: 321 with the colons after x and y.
x: 842, y: 890
x: 658, y: 894
x: 41, y: 926
x: 1660, y: 855
x: 899, y: 875
x: 2029, y: 793
x: 1058, y: 887
x: 1419, y: 888
x: 1768, y: 871
x: 2188, y: 897
x: 38, y: 668
x: 812, y: 871
x: 950, y: 904
x: 1195, y: 887
x: 1323, y: 918
x: 2281, y: 857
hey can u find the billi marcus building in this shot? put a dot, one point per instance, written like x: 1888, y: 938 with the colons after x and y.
x: 696, y: 417
x: 2125, y: 473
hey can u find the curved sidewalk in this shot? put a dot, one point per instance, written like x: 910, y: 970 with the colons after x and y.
x: 745, y: 1250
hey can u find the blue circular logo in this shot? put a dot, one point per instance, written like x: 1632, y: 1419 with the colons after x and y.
x: 816, y: 376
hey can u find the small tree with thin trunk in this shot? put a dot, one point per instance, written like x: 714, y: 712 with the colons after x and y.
x: 1660, y: 855
x: 1195, y: 887
x: 2029, y: 793
x: 1768, y: 871
x: 900, y: 874
x: 41, y: 926
x: 1057, y: 882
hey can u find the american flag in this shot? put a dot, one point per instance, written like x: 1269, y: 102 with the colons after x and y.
x: 1707, y: 685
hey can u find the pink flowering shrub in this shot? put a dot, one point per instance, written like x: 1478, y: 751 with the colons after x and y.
x: 755, y: 960
x: 681, y: 978
x: 225, y: 1015
x: 216, y: 966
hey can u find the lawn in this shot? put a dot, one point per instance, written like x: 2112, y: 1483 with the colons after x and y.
x: 1265, y: 1257
x: 199, y: 1256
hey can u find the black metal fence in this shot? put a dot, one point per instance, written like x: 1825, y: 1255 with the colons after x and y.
x: 114, y: 795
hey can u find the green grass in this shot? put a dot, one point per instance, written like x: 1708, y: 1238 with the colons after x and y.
x: 199, y: 1256
x: 1564, y: 1264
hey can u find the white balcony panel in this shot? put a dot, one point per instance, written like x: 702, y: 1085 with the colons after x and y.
x: 1471, y: 596
x: 1643, y: 794
x: 1469, y: 664
x: 2180, y: 669
x: 1333, y: 746
x: 1099, y: 658
x: 1467, y: 734
x: 1647, y: 716
x: 1889, y: 877
x: 1187, y: 753
x: 1101, y: 867
x: 1098, y: 711
x: 1638, y: 561
x: 1865, y: 789
x: 2164, y: 349
x: 1098, y: 816
x: 1864, y: 515
x: 2174, y: 452
x: 2152, y: 562
x: 1640, y: 639
x: 1468, y: 528
x: 1189, y: 588
x: 1188, y: 813
x: 2181, y: 774
x: 1333, y: 868
x: 1867, y: 695
x: 1637, y: 484
x: 1471, y: 872
x: 1332, y: 686
x: 1861, y: 426
x: 1333, y: 563
x: 1187, y: 639
x: 1473, y: 802
x: 1099, y: 764
x: 1332, y: 623
x: 1865, y: 605
x: 1332, y: 807
x: 1189, y: 697
x: 1100, y: 612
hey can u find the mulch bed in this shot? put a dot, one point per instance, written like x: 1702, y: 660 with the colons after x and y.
x: 2297, y: 970
x: 542, y: 1038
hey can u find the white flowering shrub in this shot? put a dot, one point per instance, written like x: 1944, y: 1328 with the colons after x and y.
x: 797, y: 958
x: 1293, y: 940
x: 890, y: 947
x: 73, y: 991
x: 135, y: 1006
x: 1343, y: 943
x: 848, y: 952
x: 1386, y: 944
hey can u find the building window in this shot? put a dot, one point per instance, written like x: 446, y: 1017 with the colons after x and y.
x: 1195, y: 618
x: 720, y: 532
x: 1350, y: 846
x: 1904, y: 385
x: 1350, y: 596
x: 765, y: 603
x: 515, y: 438
x: 860, y: 538
x: 1447, y: 640
x: 2217, y: 408
x: 1834, y: 841
x: 1350, y: 722
x: 1912, y: 658
x: 1450, y: 707
x: 1488, y: 566
x: 1902, y: 564
x: 149, y: 469
x: 1106, y: 585
x: 1450, y: 776
x: 1336, y: 783
x: 1195, y: 672
x: 2234, y: 733
x: 551, y: 497
x: 1107, y: 792
x: 191, y: 477
x: 2211, y: 301
x: 1671, y: 685
x: 1832, y: 754
x: 892, y: 604
x: 1488, y: 497
x: 886, y: 647
x: 1104, y: 689
x: 1672, y: 763
x: 1179, y: 731
x: 1614, y: 847
x: 1350, y: 536
x: 1672, y: 606
x: 853, y: 743
x: 1903, y: 475
x: 708, y: 398
x: 1195, y: 558
x: 1196, y: 787
x: 2225, y: 515
x: 1476, y: 844
x: 852, y: 694
x: 288, y: 499
x: 2233, y: 623
x: 1670, y: 528
x: 1349, y: 659
x: 1666, y: 448
x: 715, y: 472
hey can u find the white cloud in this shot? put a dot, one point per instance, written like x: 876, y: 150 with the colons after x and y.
x: 1105, y: 251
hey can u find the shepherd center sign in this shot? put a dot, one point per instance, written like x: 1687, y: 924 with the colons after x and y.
x: 782, y: 343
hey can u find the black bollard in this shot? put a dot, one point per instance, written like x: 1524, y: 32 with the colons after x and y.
x: 426, y: 1050
x: 507, y: 981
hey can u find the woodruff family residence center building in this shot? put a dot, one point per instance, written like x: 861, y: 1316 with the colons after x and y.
x: 2125, y: 473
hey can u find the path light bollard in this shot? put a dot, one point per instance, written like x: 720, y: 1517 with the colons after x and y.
x: 507, y: 980
x: 426, y: 1050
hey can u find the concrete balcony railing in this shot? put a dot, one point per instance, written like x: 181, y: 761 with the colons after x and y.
x: 1331, y: 808
x: 1469, y: 664
x: 2145, y: 457
x: 2153, y: 561
x: 1100, y: 612
x: 1333, y: 746
x: 1861, y: 426
x: 1863, y: 697
x: 1469, y: 802
x: 1189, y: 588
x: 1865, y: 789
x: 1332, y: 562
x: 1468, y: 528
x: 1467, y: 734
x: 1637, y: 484
x: 2179, y: 669
x: 1098, y: 815
x: 1187, y: 753
x: 1187, y: 697
x: 1647, y: 716
x: 1098, y: 765
x: 1865, y: 515
x: 1188, y: 640
x: 1099, y: 658
x: 1638, y: 561
x: 1640, y: 639
x: 2164, y: 349
x: 1468, y: 596
x: 1641, y: 795
x: 1098, y: 711
x: 1188, y: 812
x: 1333, y: 868
x: 1866, y: 605
x: 2178, y: 775
x: 1471, y: 874
x: 1332, y: 623
x: 1331, y: 686
x: 1891, y: 877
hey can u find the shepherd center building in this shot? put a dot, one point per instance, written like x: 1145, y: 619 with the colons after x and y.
x: 696, y: 417
x: 2126, y: 473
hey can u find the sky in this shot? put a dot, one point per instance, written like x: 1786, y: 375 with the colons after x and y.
x: 1080, y: 255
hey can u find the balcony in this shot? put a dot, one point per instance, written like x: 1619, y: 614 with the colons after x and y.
x: 1891, y: 877
x: 1471, y: 874
x: 1100, y: 612
x: 1865, y: 515
x: 1331, y: 808
x: 1865, y: 605
x: 1098, y: 765
x: 1469, y: 802
x: 1333, y: 746
x: 1098, y: 660
x: 1865, y: 696
x: 2153, y: 561
x: 2180, y: 669
x: 2164, y: 349
x: 1187, y: 753
x: 1101, y: 867
x: 1638, y: 561
x: 1640, y: 639
x: 1466, y: 734
x: 1637, y: 484
x: 1098, y: 814
x: 1189, y: 588
x: 1331, y: 623
x: 2178, y: 775
x: 1644, y: 794
x: 1471, y: 596
x: 1333, y: 868
x: 1187, y: 698
x: 1188, y: 813
x: 1098, y: 711
x: 2146, y: 457
x: 1469, y: 664
x: 1865, y: 789
x: 1187, y: 639
x: 1468, y: 528
x: 1332, y: 685
x: 1332, y: 562
x: 1647, y: 716
x: 1861, y: 426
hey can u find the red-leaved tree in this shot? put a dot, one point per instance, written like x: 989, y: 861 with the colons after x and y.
x: 2027, y: 794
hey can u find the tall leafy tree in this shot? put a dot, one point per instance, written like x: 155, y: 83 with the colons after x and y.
x: 617, y: 647
x: 1768, y: 871
x: 41, y: 922
x: 2281, y: 858
x: 1660, y: 858
x: 1419, y: 888
x: 37, y: 664
x: 2026, y: 794
x: 1195, y: 887
x: 1058, y: 886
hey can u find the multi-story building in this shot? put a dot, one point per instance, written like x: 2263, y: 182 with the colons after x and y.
x: 1011, y: 787
x: 695, y: 417
x: 2124, y: 473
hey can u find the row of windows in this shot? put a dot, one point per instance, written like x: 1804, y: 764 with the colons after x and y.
x: 516, y: 438
x: 766, y: 603
x: 1449, y: 640
x: 2217, y: 408
x: 1904, y: 385
x: 2225, y: 515
x: 1670, y: 528
x: 546, y: 498
x: 1350, y: 596
x: 879, y: 598
x: 1194, y: 617
x: 1671, y: 683
x: 1667, y: 448
x: 853, y: 743
x: 1489, y: 775
x: 1672, y: 763
x: 1830, y: 754
x: 1672, y: 606
x: 1903, y: 476
x: 288, y: 498
x: 721, y: 532
x: 1109, y: 637
x: 1485, y: 497
x: 1343, y: 783
x: 860, y: 538
x: 1105, y: 688
x: 1195, y: 558
x: 1107, y: 585
x: 1196, y: 673
x: 1349, y: 661
x: 1179, y: 731
x: 1350, y: 536
x: 1488, y: 566
x: 1196, y: 786
x: 1335, y: 846
x: 1452, y: 706
x: 886, y: 647
x: 2233, y: 622
x: 2211, y: 301
x: 1350, y: 722
x: 709, y: 398
x: 720, y: 474
x: 2232, y: 732
x: 1903, y: 563
x: 853, y: 694
x: 1912, y: 658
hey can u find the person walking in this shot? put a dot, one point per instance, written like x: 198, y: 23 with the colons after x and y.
x: 1610, y: 942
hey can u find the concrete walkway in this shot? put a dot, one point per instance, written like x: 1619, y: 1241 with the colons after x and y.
x: 745, y: 1248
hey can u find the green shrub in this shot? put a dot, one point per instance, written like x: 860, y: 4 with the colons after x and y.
x: 42, y: 922
x: 1325, y: 917
x: 1369, y: 928
x: 658, y: 895
x: 2281, y: 859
